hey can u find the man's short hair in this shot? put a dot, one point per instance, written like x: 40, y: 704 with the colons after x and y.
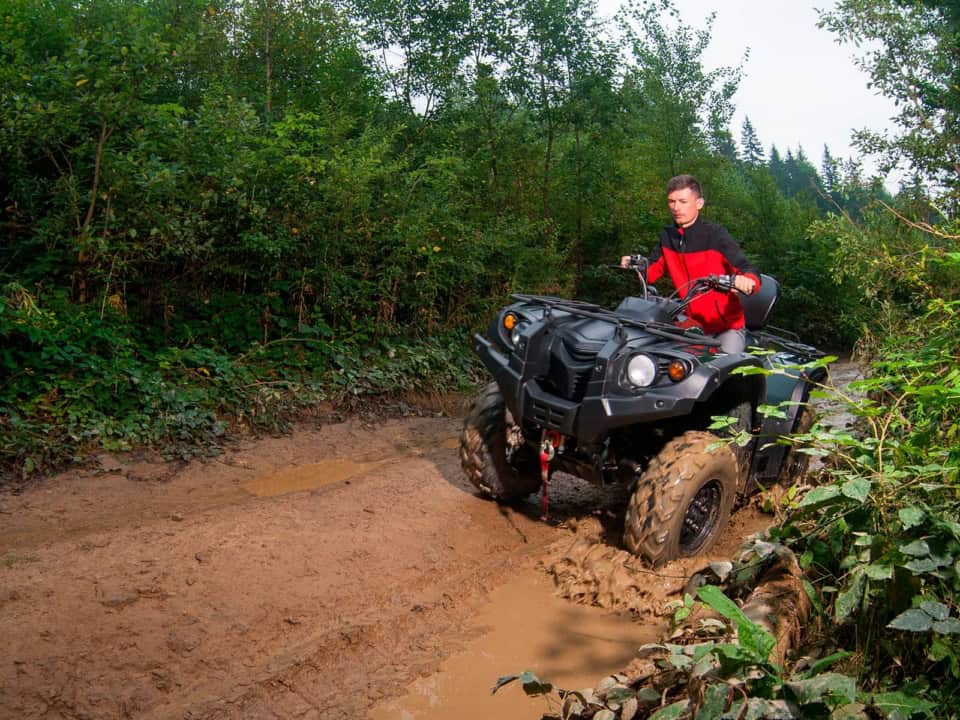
x: 681, y: 182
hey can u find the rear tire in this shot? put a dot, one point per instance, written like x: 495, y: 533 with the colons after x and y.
x: 795, y: 463
x: 488, y: 437
x: 683, y: 499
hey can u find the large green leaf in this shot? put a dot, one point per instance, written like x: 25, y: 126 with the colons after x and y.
x: 949, y: 626
x: 851, y: 596
x: 914, y: 620
x: 927, y: 564
x: 532, y: 685
x: 910, y: 516
x: 714, y: 702
x: 936, y: 610
x: 820, y: 495
x: 879, y: 572
x: 832, y: 689
x: 856, y: 489
x: 917, y: 548
x: 760, y: 709
x: 752, y: 637
x: 825, y: 662
x: 898, y: 705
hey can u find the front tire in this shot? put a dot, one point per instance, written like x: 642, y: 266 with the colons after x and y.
x: 683, y: 499
x: 488, y: 435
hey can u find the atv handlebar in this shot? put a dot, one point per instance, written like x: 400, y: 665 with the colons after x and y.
x: 724, y: 283
x: 637, y: 264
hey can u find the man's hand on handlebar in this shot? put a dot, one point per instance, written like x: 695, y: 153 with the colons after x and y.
x: 635, y: 262
x: 744, y: 284
x: 729, y: 283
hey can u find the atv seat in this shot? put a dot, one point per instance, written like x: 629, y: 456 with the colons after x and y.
x: 758, y: 307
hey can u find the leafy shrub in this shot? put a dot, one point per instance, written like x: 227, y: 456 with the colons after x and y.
x: 881, y: 536
x: 75, y: 382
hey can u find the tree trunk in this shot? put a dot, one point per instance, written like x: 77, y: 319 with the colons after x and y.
x: 578, y: 240
x: 547, y: 160
x: 268, y: 56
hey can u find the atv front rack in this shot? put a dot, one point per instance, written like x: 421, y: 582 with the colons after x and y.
x: 598, y: 312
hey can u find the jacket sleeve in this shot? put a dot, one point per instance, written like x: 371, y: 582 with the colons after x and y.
x: 655, y: 266
x: 735, y: 258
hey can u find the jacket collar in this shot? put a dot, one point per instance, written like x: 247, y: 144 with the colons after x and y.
x: 673, y: 231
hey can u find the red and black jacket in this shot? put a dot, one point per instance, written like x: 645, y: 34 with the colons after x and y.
x: 703, y: 249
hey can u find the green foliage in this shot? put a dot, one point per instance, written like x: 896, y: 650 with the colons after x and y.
x: 75, y: 381
x: 683, y: 106
x: 254, y: 181
x: 880, y: 536
x: 532, y: 685
x: 728, y: 675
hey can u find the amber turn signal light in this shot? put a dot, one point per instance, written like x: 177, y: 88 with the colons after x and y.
x: 677, y: 371
x: 509, y: 321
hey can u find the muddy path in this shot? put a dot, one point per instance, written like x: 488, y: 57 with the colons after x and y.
x: 317, y: 575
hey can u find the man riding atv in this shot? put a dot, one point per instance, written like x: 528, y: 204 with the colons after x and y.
x: 691, y: 249
x: 632, y: 394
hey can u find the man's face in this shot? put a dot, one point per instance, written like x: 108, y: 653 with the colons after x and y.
x: 684, y: 205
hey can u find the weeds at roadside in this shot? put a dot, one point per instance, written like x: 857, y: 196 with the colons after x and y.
x: 76, y: 384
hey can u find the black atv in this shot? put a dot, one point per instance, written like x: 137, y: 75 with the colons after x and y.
x: 628, y: 395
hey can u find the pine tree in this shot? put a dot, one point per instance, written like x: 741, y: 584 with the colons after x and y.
x: 829, y: 170
x: 777, y: 170
x: 751, y: 149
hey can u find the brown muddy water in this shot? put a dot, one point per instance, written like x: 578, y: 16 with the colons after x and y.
x: 524, y: 626
x: 307, y: 477
x: 328, y: 472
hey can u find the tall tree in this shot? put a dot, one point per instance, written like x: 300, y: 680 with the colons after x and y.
x: 561, y: 49
x: 750, y: 147
x: 682, y: 104
x: 913, y: 59
x: 419, y: 46
x: 829, y: 170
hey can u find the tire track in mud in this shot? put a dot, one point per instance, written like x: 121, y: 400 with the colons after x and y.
x: 186, y: 596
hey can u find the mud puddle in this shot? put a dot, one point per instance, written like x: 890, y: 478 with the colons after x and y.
x: 525, y: 626
x: 308, y: 477
x: 327, y: 472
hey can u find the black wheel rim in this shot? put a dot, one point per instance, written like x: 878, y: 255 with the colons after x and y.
x: 702, y: 517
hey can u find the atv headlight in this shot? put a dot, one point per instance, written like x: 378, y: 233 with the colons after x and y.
x: 641, y: 370
x: 511, y: 326
x: 515, y: 333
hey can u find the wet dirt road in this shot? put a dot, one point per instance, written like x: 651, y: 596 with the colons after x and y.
x: 326, y: 574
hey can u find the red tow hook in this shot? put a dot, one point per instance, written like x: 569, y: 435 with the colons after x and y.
x: 548, y: 449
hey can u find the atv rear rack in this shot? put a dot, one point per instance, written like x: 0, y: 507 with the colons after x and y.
x: 791, y: 344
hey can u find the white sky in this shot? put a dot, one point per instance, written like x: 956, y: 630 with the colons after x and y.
x: 799, y: 86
